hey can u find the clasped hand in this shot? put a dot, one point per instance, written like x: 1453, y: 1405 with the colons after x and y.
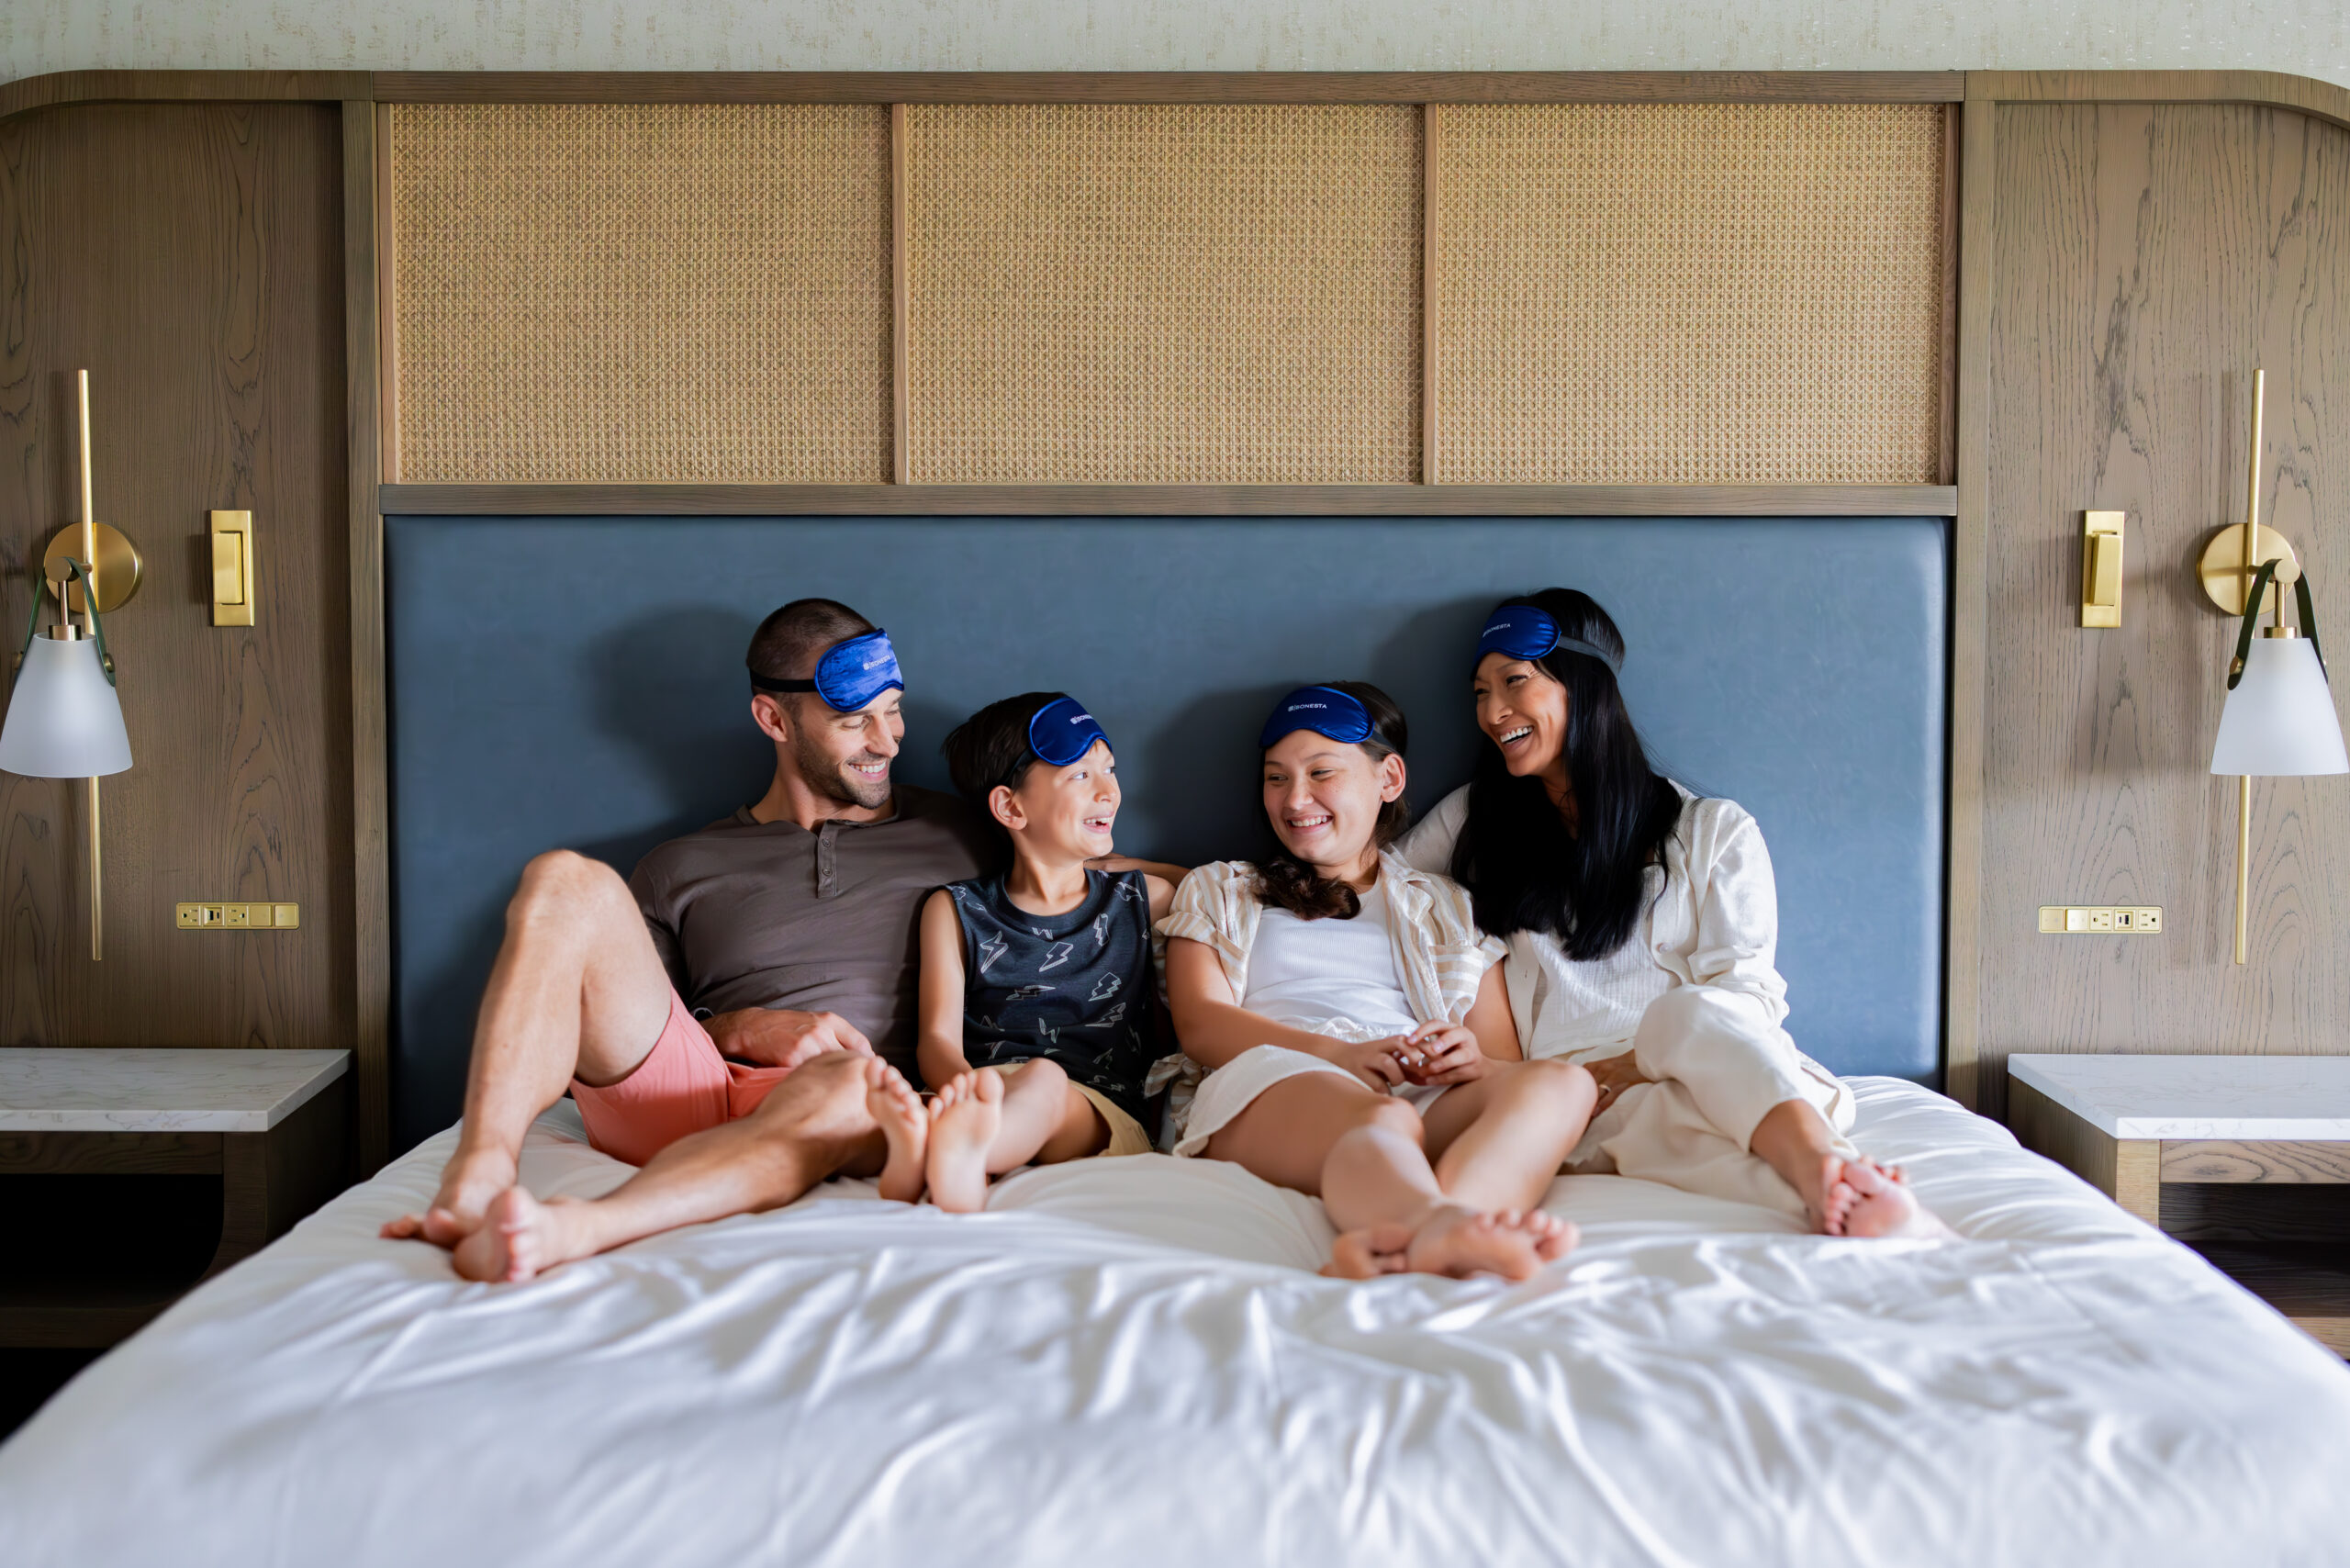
x: 1435, y: 1054
x: 784, y: 1037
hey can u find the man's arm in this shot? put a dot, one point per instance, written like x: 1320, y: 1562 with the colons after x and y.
x: 1113, y: 864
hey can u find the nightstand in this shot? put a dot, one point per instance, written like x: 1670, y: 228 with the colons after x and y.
x: 2244, y: 1159
x: 135, y: 1175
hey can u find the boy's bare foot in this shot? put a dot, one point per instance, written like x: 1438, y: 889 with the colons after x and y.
x: 1871, y: 1200
x: 471, y: 1179
x: 905, y: 1126
x: 1455, y: 1242
x: 517, y: 1238
x: 963, y: 1123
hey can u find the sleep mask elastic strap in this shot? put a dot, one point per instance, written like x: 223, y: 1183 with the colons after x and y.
x: 1325, y: 709
x: 1526, y: 632
x: 850, y: 673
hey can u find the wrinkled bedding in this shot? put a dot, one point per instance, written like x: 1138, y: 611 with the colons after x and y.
x: 1130, y: 1361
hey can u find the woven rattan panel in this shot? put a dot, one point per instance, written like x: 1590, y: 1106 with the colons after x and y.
x: 642, y: 292
x: 1690, y: 294
x: 1197, y: 294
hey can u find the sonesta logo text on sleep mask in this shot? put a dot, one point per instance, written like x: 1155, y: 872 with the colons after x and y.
x: 1062, y: 731
x: 1523, y: 631
x: 850, y: 673
x: 1325, y: 709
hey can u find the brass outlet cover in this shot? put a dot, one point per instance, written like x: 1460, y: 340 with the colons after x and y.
x: 2101, y: 560
x: 2101, y: 920
x: 238, y: 916
x: 233, y: 567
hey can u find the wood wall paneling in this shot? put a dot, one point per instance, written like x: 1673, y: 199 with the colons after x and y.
x: 2148, y: 256
x: 364, y: 355
x: 190, y: 257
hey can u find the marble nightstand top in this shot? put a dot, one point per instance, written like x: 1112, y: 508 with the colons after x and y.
x: 98, y: 1090
x: 2197, y: 1097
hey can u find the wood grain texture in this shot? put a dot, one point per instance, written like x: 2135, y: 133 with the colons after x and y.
x: 2310, y: 1284
x: 2266, y: 89
x: 1171, y: 501
x: 132, y: 1154
x: 385, y: 286
x: 2199, y: 1211
x: 190, y: 257
x: 2272, y: 1160
x: 366, y: 313
x: 1168, y: 86
x: 2128, y: 1170
x: 58, y: 88
x: 2147, y: 259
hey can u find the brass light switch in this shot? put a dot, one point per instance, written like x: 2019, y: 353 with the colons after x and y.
x: 232, y: 568
x: 2101, y: 569
x: 2101, y: 920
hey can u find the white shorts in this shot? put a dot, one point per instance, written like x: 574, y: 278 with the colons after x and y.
x: 1233, y: 1087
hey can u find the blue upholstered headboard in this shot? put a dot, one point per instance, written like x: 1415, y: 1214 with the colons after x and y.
x: 579, y: 682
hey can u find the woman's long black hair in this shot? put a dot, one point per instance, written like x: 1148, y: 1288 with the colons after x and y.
x: 1283, y: 881
x: 1515, y: 854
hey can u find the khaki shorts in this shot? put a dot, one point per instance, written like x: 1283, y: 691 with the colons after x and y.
x: 1126, y: 1136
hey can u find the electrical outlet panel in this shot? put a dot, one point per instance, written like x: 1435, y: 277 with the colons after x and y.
x: 238, y: 917
x: 2101, y: 920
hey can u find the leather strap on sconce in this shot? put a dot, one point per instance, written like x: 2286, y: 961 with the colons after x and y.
x: 90, y: 600
x: 2251, y: 613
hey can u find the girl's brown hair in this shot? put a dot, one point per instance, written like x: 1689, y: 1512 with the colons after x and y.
x: 1283, y: 881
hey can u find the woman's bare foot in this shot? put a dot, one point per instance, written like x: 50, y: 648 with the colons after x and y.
x: 517, y: 1238
x: 905, y: 1127
x: 1455, y: 1242
x: 1871, y: 1200
x: 963, y: 1122
x: 471, y: 1179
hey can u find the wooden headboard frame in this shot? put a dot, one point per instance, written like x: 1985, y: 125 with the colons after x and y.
x: 363, y: 95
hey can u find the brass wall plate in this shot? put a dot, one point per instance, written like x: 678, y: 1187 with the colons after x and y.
x: 238, y: 916
x: 2101, y: 920
x: 2226, y: 577
x: 2101, y: 569
x: 232, y: 568
x: 119, y: 566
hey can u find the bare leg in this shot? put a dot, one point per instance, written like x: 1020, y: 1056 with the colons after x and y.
x: 1035, y: 1116
x: 810, y: 1124
x: 1360, y: 1152
x: 1796, y: 1140
x: 1499, y: 1141
x: 577, y: 991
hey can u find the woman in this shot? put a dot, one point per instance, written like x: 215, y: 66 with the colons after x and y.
x: 1354, y: 1021
x: 1641, y: 923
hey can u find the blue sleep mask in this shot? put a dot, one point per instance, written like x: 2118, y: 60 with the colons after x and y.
x: 850, y: 673
x: 1524, y: 631
x: 1062, y: 731
x: 1325, y: 709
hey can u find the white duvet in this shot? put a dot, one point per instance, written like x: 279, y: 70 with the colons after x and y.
x: 1130, y: 1361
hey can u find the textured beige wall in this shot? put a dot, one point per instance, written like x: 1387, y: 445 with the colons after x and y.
x: 2309, y: 37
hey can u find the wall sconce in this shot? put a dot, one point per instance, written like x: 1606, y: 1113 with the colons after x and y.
x: 2280, y: 720
x: 64, y: 720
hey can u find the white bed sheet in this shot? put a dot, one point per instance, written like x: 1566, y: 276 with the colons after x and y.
x: 1128, y: 1361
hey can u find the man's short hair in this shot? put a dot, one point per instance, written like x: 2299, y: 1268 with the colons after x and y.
x: 788, y: 643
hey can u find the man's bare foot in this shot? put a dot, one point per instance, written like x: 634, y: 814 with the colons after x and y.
x: 517, y: 1238
x: 905, y: 1125
x: 468, y: 1183
x: 1869, y: 1200
x: 1455, y: 1242
x: 963, y: 1122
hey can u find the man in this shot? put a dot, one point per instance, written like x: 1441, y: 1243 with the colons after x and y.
x: 789, y: 925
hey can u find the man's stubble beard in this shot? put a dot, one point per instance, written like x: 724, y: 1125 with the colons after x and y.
x: 830, y: 779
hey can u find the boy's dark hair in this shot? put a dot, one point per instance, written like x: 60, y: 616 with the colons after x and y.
x: 991, y: 747
x: 1283, y: 881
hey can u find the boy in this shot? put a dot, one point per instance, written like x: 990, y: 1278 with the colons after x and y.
x: 1039, y: 1000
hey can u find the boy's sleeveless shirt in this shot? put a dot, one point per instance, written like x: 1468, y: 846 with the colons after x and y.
x: 1077, y: 988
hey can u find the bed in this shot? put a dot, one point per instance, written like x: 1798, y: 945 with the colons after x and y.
x: 1130, y: 1361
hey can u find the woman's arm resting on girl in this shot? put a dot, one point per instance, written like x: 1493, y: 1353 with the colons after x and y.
x: 1213, y: 1028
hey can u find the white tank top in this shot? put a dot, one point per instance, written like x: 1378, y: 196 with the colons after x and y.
x: 1334, y: 977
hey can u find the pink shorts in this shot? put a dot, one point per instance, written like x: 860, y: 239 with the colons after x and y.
x: 682, y: 1086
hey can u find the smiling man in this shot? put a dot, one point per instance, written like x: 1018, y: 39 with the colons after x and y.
x: 728, y: 1017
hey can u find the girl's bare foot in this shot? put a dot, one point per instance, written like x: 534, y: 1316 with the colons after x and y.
x: 1871, y: 1200
x: 1455, y: 1242
x: 963, y: 1122
x: 472, y: 1179
x: 905, y: 1127
x: 517, y: 1238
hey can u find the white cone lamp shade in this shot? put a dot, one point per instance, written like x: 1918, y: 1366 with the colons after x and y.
x: 64, y: 720
x: 2280, y: 721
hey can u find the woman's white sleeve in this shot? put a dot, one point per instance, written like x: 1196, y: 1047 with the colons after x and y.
x: 1737, y: 920
x: 1428, y: 846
